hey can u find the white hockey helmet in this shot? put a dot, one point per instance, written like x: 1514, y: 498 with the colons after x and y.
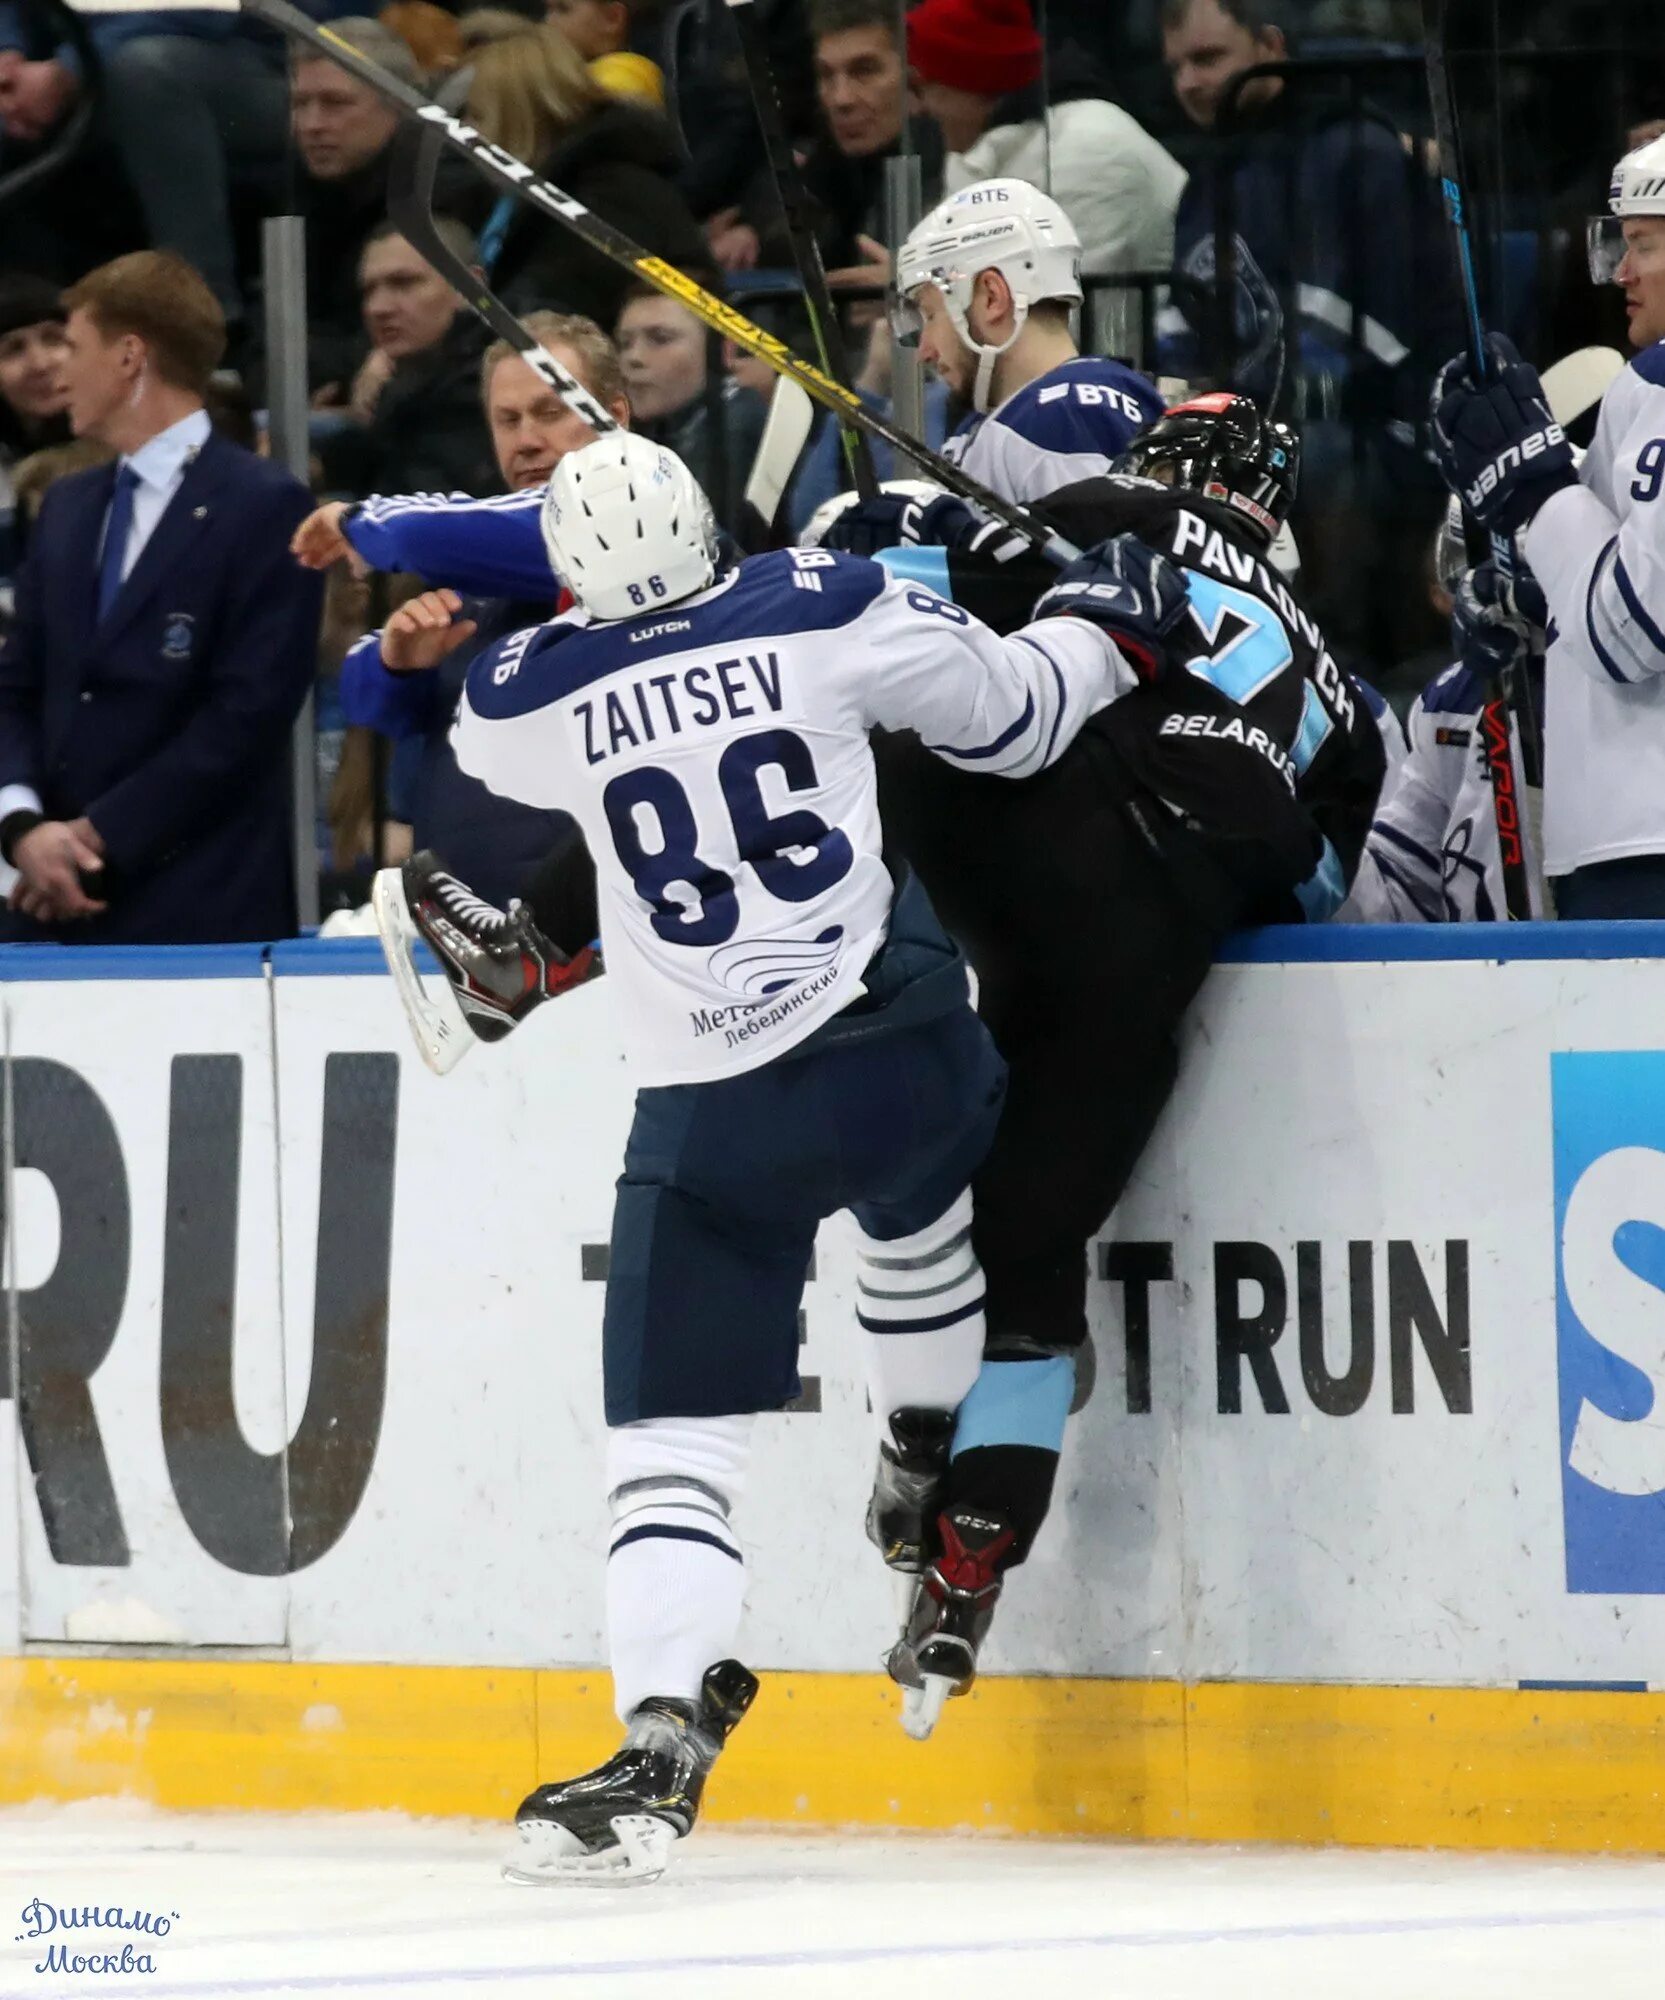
x: 1638, y: 189
x: 1005, y: 226
x: 627, y: 527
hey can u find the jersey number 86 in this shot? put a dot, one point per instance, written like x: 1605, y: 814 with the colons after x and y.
x: 795, y: 855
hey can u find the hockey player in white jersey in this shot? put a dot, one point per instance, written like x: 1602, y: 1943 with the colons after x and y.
x: 1595, y: 540
x: 985, y: 288
x: 797, y: 1020
x: 1433, y: 854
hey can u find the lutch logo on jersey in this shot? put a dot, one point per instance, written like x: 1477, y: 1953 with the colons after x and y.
x: 1609, y: 1112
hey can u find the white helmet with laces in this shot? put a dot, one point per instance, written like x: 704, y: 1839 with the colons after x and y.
x: 1005, y: 226
x: 627, y: 527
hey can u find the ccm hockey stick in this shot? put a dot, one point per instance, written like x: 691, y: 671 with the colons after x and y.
x: 519, y: 179
x: 410, y: 204
x: 800, y: 233
x: 1496, y: 736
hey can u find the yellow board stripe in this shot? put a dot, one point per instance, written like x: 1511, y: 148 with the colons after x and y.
x: 1446, y: 1767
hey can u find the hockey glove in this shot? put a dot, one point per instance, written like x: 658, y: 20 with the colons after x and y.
x: 1495, y: 624
x: 1132, y: 592
x: 907, y: 520
x: 1501, y: 451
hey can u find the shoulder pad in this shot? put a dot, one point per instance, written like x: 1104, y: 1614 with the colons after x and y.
x: 1458, y: 691
x: 1086, y: 405
x: 1650, y: 364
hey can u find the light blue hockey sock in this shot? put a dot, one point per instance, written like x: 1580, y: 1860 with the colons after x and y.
x: 1017, y: 1403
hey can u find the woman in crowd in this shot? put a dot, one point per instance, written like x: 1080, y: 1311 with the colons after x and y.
x: 666, y: 356
x: 533, y: 95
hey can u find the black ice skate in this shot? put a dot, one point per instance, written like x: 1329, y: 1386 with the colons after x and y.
x: 497, y: 964
x: 936, y: 1656
x: 907, y: 1488
x: 617, y: 1823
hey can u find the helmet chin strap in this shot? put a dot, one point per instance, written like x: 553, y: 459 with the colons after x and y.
x: 987, y: 356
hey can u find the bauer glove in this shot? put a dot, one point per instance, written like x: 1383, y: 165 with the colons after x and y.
x: 1501, y: 451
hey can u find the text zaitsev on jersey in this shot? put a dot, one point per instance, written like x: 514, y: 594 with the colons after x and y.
x: 660, y: 705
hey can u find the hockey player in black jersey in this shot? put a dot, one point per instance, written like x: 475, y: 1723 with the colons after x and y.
x: 1234, y: 789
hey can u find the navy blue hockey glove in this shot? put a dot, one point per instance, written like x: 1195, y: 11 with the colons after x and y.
x: 1131, y: 591
x: 1495, y: 624
x: 902, y: 520
x: 1501, y: 451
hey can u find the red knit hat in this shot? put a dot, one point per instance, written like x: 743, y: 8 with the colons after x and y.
x: 988, y: 47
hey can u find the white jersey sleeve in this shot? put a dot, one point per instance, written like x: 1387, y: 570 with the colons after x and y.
x: 1008, y: 707
x: 1433, y: 854
x: 1598, y: 549
x: 716, y: 756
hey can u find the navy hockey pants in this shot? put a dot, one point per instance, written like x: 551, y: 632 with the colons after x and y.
x: 725, y: 1184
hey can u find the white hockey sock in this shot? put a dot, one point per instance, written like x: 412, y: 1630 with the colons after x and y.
x: 676, y: 1578
x: 920, y: 1300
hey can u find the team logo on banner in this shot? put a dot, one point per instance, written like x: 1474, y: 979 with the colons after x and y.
x: 1609, y: 1115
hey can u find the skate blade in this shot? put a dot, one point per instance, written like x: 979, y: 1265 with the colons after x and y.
x: 551, y: 1855
x: 437, y: 1024
x: 922, y: 1706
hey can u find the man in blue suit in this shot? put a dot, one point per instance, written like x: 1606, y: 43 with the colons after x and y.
x: 163, y: 646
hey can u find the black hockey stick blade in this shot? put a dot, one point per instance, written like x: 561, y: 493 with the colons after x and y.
x: 506, y: 172
x: 1453, y: 184
x: 410, y: 206
x: 1494, y: 717
x: 800, y: 232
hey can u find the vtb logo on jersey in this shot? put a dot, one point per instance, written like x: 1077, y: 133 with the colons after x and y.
x: 1609, y: 1113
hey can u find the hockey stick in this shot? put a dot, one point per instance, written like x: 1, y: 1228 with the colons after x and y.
x: 786, y: 431
x: 410, y: 207
x: 1496, y: 736
x: 800, y: 233
x: 519, y: 179
x: 410, y: 204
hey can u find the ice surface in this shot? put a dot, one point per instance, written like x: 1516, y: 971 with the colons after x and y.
x: 373, y: 1905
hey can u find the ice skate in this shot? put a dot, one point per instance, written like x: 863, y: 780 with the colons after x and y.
x: 936, y: 1656
x: 497, y: 964
x: 617, y: 1824
x: 907, y: 1487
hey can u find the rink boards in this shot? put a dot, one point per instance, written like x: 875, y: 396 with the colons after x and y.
x: 1360, y: 1534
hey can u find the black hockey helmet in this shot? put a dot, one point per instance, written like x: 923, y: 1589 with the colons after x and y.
x: 1223, y: 448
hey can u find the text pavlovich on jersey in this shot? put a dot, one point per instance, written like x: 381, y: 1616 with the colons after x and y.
x: 41, y: 1919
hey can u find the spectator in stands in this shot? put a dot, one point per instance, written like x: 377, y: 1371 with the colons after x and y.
x: 533, y: 96
x: 163, y: 646
x: 1208, y: 44
x: 193, y: 102
x: 416, y: 398
x: 492, y: 842
x: 606, y: 34
x: 1341, y: 304
x: 711, y: 102
x: 343, y: 131
x: 33, y: 395
x: 665, y: 353
x: 862, y: 88
x: 977, y: 64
